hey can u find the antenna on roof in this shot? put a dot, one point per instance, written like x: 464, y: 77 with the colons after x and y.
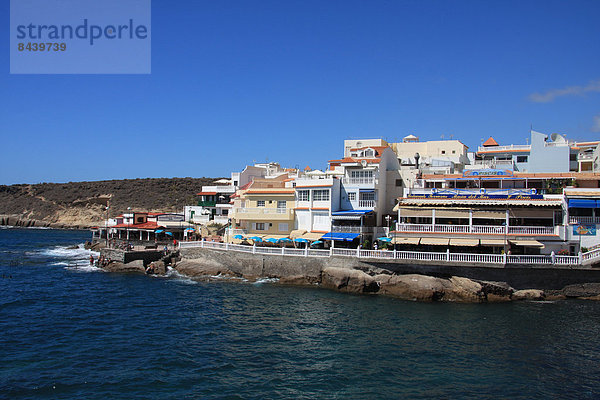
x: 442, y: 136
x: 451, y: 136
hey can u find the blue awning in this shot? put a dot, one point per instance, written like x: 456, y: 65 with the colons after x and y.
x: 351, y: 212
x: 340, y: 236
x: 584, y: 203
x: 366, y: 190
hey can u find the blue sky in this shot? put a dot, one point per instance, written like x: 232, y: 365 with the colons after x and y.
x: 288, y: 81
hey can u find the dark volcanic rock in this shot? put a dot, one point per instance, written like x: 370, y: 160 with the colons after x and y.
x: 583, y: 290
x: 136, y: 266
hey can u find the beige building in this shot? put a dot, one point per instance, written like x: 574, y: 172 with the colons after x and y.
x: 264, y: 208
x: 431, y: 153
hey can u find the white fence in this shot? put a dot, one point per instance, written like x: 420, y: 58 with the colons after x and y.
x: 498, y: 259
x: 488, y: 229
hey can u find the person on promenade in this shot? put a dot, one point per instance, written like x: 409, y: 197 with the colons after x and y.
x: 91, y: 261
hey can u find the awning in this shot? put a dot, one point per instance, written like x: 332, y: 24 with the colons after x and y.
x: 346, y: 217
x: 312, y: 236
x: 366, y: 190
x: 340, y: 236
x: 351, y: 212
x: 464, y: 242
x: 527, y: 243
x: 297, y: 233
x: 492, y: 242
x: 405, y: 240
x: 584, y: 203
x: 435, y: 241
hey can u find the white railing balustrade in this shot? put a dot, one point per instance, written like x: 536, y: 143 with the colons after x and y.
x: 352, y: 229
x: 491, y: 259
x: 583, y: 220
x: 359, y: 181
x: 487, y: 229
x: 366, y: 204
x: 513, y: 147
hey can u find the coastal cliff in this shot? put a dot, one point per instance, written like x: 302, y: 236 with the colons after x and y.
x: 82, y: 204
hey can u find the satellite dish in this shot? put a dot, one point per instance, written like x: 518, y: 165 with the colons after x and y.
x: 558, y: 138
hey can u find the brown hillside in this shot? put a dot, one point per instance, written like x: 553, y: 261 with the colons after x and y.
x: 82, y: 203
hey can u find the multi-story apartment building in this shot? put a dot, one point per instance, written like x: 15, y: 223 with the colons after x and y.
x: 264, y: 207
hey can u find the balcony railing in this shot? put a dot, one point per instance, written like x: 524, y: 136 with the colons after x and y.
x: 352, y: 229
x: 583, y: 220
x: 262, y: 210
x: 207, y: 203
x: 512, y: 147
x: 447, y: 256
x: 359, y: 181
x: 478, y: 229
x: 366, y: 204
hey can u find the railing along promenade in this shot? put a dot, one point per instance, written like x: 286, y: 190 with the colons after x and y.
x: 485, y: 229
x: 496, y: 259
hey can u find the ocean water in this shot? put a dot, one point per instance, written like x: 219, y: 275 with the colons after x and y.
x: 70, y: 331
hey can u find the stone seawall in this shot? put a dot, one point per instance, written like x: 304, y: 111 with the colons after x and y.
x: 121, y: 256
x: 348, y: 275
x: 308, y: 269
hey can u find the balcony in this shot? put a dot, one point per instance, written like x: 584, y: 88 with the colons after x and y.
x: 584, y: 220
x: 352, y: 229
x: 478, y: 229
x: 499, y: 149
x: 207, y: 203
x: 366, y: 204
x: 263, y: 213
x: 359, y: 181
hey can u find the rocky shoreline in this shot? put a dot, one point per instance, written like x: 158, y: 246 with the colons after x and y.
x: 19, y: 221
x: 350, y: 276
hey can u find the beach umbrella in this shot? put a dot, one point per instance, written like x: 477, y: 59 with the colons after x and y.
x: 190, y: 229
x: 316, y: 242
x: 272, y: 240
x: 240, y: 237
x: 256, y: 239
x: 301, y: 240
x: 159, y: 231
x: 384, y: 239
x: 168, y: 233
x: 285, y: 240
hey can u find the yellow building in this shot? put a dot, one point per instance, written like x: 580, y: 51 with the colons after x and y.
x: 264, y: 208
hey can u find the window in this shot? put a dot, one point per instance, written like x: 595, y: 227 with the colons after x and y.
x: 453, y: 151
x: 361, y: 174
x: 443, y: 151
x: 281, y: 204
x: 224, y: 211
x: 352, y: 196
x: 283, y: 227
x: 369, y: 153
x: 367, y: 196
x: 398, y: 182
x: 321, y: 195
x: 303, y: 195
x: 260, y: 203
x: 521, y: 159
x: 260, y: 226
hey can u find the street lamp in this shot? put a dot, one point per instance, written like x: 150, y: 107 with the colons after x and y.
x: 388, y: 218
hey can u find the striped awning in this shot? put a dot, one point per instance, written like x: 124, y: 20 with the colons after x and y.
x: 527, y: 243
x: 464, y: 242
x: 405, y: 240
x: 312, y: 236
x: 492, y: 242
x: 435, y: 241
